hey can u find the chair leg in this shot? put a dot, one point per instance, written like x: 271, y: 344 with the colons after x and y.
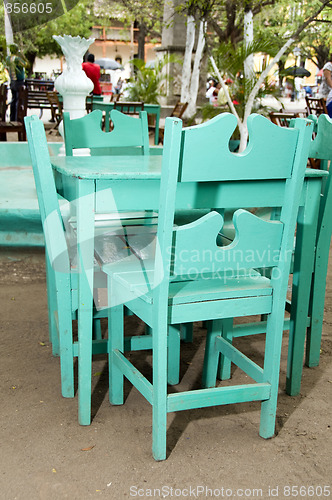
x: 115, y: 343
x: 52, y: 308
x: 159, y: 398
x: 273, y: 343
x: 66, y: 344
x: 302, y: 277
x: 211, y: 356
x: 224, y: 368
x: 187, y: 332
x: 319, y: 279
x: 96, y: 332
x: 173, y: 359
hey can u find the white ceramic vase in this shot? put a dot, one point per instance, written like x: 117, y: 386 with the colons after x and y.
x: 73, y: 84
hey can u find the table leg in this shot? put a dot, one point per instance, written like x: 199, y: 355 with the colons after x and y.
x: 302, y: 276
x: 156, y: 132
x: 107, y: 120
x: 85, y: 249
x: 314, y: 333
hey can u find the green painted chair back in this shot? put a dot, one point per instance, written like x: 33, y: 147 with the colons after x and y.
x: 129, y: 136
x: 263, y: 160
x: 55, y: 239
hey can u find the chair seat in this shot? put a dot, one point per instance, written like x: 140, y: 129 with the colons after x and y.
x: 230, y: 285
x: 11, y: 125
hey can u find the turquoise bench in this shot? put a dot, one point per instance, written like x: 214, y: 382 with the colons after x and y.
x: 20, y: 223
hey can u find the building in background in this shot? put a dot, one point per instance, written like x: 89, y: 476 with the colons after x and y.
x: 118, y: 42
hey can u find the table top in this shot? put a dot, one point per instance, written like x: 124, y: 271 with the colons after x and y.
x: 109, y: 167
x: 122, y: 167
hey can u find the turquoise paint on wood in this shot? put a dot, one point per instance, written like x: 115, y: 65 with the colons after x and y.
x: 152, y: 289
x: 20, y: 222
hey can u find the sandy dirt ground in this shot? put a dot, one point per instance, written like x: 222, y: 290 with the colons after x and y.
x: 212, y: 452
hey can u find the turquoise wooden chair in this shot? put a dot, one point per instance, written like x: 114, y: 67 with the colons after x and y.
x: 62, y: 264
x: 61, y: 261
x: 193, y: 279
x: 129, y: 136
x: 320, y: 148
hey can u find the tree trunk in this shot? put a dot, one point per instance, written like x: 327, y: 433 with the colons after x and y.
x: 141, y: 41
x: 248, y: 39
x: 186, y: 68
x: 194, y: 84
x: 8, y: 31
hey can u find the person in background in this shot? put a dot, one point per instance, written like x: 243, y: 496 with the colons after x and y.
x: 92, y: 71
x: 308, y: 90
x: 326, y: 85
x: 16, y: 63
x: 118, y: 86
x: 329, y: 103
x: 212, y: 93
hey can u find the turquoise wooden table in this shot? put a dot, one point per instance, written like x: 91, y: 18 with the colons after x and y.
x: 104, y: 184
x: 151, y: 109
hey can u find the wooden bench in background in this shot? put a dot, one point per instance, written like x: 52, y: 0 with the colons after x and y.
x: 37, y: 94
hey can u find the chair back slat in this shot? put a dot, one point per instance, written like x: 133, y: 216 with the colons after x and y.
x: 321, y: 146
x: 86, y: 132
x: 264, y: 157
x: 179, y: 109
x: 129, y: 108
x: 316, y: 106
x: 53, y: 228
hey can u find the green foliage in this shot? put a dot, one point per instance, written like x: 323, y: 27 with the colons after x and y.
x: 230, y: 62
x: 149, y: 82
x: 39, y: 40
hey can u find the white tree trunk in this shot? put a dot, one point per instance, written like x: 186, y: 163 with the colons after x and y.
x: 242, y: 124
x: 8, y: 31
x: 194, y: 83
x: 186, y: 68
x: 248, y: 39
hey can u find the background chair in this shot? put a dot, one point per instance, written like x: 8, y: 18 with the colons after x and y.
x: 129, y: 108
x: 163, y: 293
x: 129, y: 135
x: 315, y: 106
x: 321, y: 147
x: 56, y: 108
x: 177, y: 112
x: 16, y: 126
x: 62, y: 264
x: 282, y: 119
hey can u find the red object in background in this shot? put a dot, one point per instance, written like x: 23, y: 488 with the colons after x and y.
x: 106, y: 88
x: 92, y: 71
x: 320, y: 72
